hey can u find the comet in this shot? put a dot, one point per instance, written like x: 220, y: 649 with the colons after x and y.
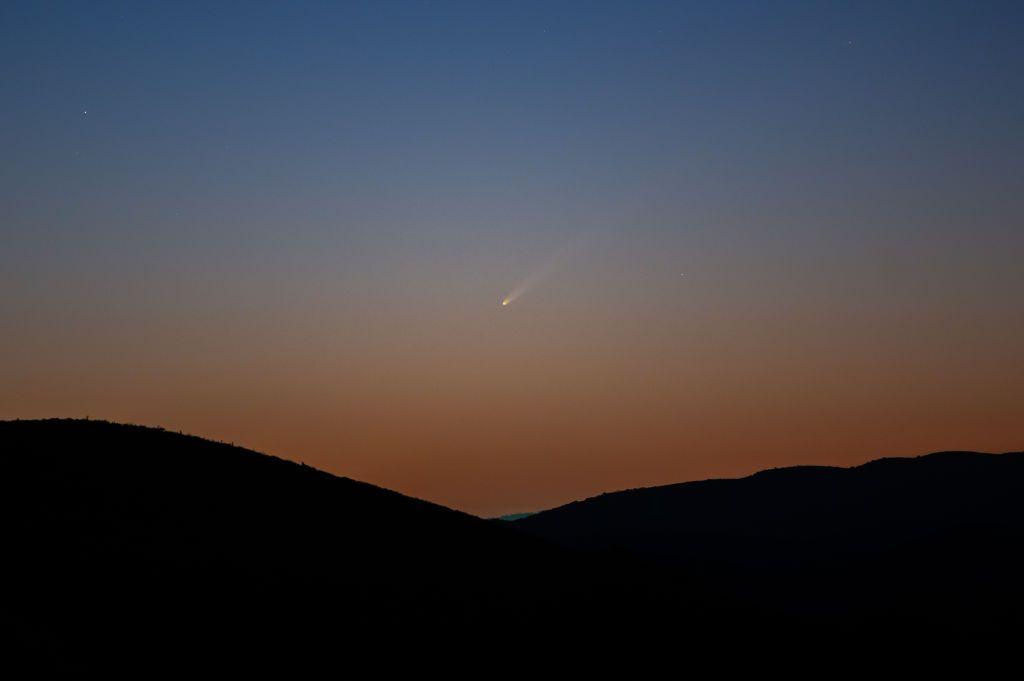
x: 534, y: 278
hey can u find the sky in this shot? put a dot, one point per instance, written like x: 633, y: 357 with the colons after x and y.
x: 735, y: 235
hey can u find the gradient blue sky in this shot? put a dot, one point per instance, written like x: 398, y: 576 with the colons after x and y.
x: 290, y: 225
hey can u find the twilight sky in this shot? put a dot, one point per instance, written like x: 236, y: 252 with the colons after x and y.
x: 746, y: 234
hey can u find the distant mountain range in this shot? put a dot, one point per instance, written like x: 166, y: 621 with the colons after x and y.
x: 915, y: 538
x: 126, y: 545
x: 804, y: 513
x: 514, y: 516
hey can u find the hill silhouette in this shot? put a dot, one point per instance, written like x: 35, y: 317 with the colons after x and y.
x: 930, y: 541
x: 136, y: 547
x: 126, y: 542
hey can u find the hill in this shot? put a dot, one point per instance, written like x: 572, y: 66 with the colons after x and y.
x: 133, y: 543
x: 138, y: 548
x: 933, y: 541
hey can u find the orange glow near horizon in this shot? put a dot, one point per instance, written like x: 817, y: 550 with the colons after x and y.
x: 288, y: 228
x: 570, y: 397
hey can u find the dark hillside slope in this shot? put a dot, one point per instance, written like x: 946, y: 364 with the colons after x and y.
x: 936, y: 537
x: 806, y: 509
x: 132, y: 547
x: 131, y: 541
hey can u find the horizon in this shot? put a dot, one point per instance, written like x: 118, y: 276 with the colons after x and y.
x: 501, y: 257
x: 522, y: 513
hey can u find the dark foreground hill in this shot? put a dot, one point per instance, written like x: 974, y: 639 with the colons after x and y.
x: 125, y: 543
x: 139, y: 548
x: 933, y: 541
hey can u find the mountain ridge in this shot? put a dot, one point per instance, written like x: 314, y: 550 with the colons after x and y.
x: 763, y: 473
x: 132, y: 543
x: 798, y: 514
x: 147, y: 540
